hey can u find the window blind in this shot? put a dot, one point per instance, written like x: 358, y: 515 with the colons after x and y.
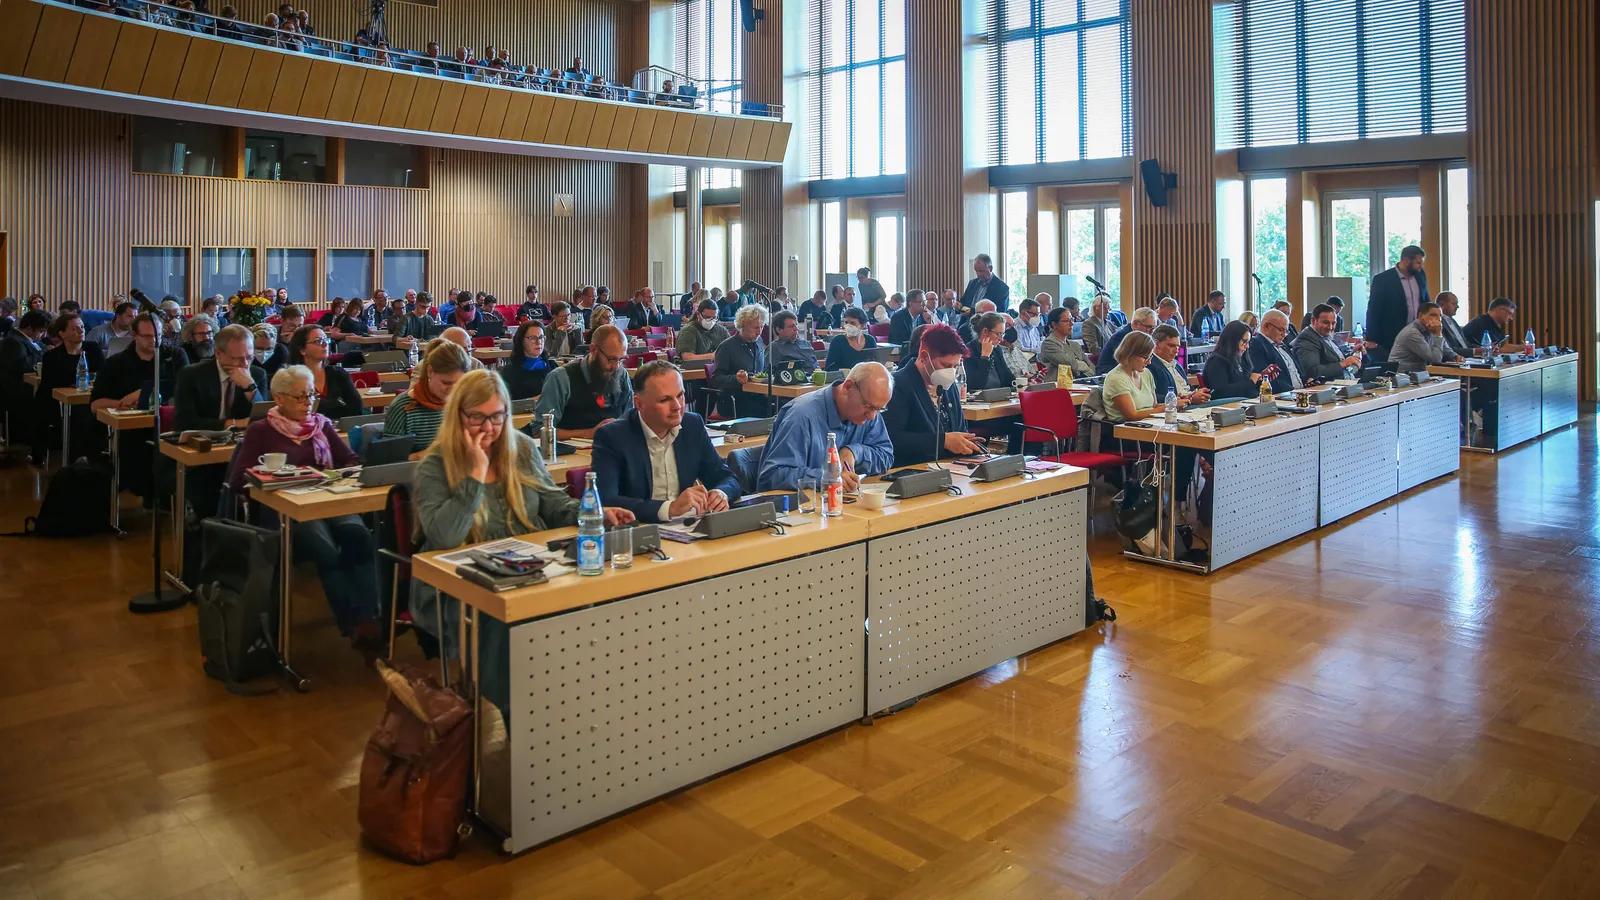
x: 1057, y: 79
x: 856, y: 88
x: 709, y: 40
x: 1310, y: 71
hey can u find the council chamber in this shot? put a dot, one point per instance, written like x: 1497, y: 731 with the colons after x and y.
x: 844, y: 448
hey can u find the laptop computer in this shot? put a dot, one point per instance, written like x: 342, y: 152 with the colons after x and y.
x: 880, y: 354
x: 260, y: 408
x: 491, y: 328
x: 383, y: 451
x: 387, y: 473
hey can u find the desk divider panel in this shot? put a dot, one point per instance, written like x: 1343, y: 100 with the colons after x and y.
x: 1360, y: 462
x: 1521, y: 413
x: 1265, y: 494
x: 1560, y: 393
x: 617, y: 704
x: 1429, y: 439
x: 951, y: 599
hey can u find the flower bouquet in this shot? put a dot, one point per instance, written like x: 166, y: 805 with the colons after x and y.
x: 249, y: 311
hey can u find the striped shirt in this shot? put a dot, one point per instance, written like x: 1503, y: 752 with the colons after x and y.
x: 407, y: 416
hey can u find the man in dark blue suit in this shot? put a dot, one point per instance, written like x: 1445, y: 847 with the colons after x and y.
x: 1270, y: 348
x: 657, y: 461
x: 1393, y: 300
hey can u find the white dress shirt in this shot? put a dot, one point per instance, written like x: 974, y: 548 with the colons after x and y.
x: 663, y: 467
x: 1180, y: 379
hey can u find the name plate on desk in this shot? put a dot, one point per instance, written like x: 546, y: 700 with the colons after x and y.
x: 1420, y: 377
x: 1350, y: 391
x: 915, y: 484
x: 1230, y: 416
x: 1323, y: 396
x: 999, y: 467
x: 1260, y: 410
x: 989, y: 395
x: 737, y: 521
x: 747, y: 427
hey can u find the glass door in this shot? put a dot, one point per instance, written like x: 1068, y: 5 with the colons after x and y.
x: 1363, y: 234
x: 889, y: 250
x: 1091, y: 247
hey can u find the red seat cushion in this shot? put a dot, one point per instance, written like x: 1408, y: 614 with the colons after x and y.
x: 1088, y: 460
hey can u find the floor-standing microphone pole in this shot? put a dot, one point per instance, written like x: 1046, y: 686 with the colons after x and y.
x: 159, y: 599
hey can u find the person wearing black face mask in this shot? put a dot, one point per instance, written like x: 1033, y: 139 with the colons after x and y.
x: 924, y: 393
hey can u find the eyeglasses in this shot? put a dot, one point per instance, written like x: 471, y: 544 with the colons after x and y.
x: 610, y: 360
x: 477, y: 419
x: 300, y: 398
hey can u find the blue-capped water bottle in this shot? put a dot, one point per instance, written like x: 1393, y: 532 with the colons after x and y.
x: 591, y: 530
x: 83, y: 370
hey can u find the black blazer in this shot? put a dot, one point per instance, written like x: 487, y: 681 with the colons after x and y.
x: 525, y: 384
x: 980, y: 368
x: 199, y: 394
x: 1227, y: 378
x: 911, y: 419
x: 901, y: 325
x: 1386, y: 306
x: 339, y: 395
x: 1262, y: 355
x: 622, y: 464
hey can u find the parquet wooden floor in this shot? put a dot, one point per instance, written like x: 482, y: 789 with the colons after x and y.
x: 1404, y: 705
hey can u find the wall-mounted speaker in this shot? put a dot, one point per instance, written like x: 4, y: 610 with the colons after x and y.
x: 750, y: 15
x: 1156, y: 182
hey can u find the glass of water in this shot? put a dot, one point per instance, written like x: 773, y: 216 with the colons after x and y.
x: 807, y: 488
x: 621, y: 545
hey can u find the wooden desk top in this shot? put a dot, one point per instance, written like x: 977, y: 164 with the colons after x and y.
x: 786, y: 391
x: 367, y: 340
x: 31, y: 379
x: 377, y: 400
x: 71, y: 396
x: 1234, y: 435
x: 903, y: 515
x: 1498, y: 372
x: 393, y: 377
x: 188, y: 456
x: 487, y: 353
x: 983, y: 412
x: 315, y: 505
x: 689, y: 563
x: 129, y: 420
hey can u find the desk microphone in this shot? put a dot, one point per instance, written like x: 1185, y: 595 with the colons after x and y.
x: 1094, y: 281
x: 939, y: 409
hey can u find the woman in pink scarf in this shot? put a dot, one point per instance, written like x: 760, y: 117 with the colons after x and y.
x: 342, y: 547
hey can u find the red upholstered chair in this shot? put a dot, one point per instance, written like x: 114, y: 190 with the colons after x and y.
x: 335, y: 359
x: 575, y: 481
x: 638, y: 332
x: 660, y: 330
x: 634, y: 360
x: 658, y: 342
x: 1051, y: 414
x: 484, y: 342
x: 166, y: 414
x: 880, y: 332
x: 508, y: 314
x: 397, y: 509
x: 364, y: 380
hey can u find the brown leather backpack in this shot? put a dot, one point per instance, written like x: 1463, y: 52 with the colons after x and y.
x: 413, y: 802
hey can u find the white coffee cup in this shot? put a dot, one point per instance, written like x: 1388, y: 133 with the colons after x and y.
x: 272, y: 462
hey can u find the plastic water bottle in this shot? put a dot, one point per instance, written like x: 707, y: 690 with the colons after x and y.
x: 833, y: 480
x: 547, y: 438
x: 83, y: 370
x: 961, y: 382
x: 1171, y: 408
x: 811, y: 329
x: 1486, y: 345
x: 411, y: 354
x: 591, y: 531
x: 1527, y: 344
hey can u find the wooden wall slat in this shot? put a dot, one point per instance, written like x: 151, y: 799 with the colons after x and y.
x: 935, y: 255
x: 289, y: 92
x: 72, y: 207
x: 199, y: 69
x: 52, y: 44
x: 166, y: 64
x: 19, y: 20
x: 97, y: 39
x: 1531, y: 152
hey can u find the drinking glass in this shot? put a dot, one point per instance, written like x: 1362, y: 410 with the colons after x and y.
x: 807, y: 488
x: 621, y: 542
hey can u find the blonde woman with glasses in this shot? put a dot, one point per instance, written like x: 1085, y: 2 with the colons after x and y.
x: 482, y: 480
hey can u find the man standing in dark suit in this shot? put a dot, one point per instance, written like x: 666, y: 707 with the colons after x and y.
x: 658, y: 461
x: 986, y: 286
x: 219, y: 392
x: 1393, y: 300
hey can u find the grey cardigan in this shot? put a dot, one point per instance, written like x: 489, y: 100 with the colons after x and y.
x: 1415, y: 349
x: 1096, y: 332
x: 1054, y: 353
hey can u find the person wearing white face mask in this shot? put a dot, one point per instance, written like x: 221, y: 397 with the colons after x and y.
x: 926, y: 402
x: 845, y: 350
x: 1028, y: 332
x: 699, y: 338
x: 268, y: 353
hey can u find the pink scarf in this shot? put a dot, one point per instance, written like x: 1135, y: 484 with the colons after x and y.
x: 308, y: 429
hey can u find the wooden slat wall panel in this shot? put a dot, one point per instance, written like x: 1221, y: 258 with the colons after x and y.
x: 760, y: 191
x: 934, y: 253
x: 199, y: 70
x: 1172, y: 123
x: 72, y: 208
x: 166, y: 64
x: 1531, y: 155
x: 97, y: 39
x: 52, y: 43
x: 19, y: 20
x: 290, y: 90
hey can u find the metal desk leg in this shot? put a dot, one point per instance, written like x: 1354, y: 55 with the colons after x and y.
x: 285, y: 606
x: 66, y: 435
x: 180, y: 511
x: 116, y: 481
x: 469, y: 619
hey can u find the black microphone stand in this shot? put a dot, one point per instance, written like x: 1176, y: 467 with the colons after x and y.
x: 939, y: 410
x: 158, y: 598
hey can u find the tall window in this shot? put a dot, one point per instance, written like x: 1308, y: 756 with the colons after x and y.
x: 162, y: 271
x: 1306, y: 71
x: 1363, y: 234
x: 856, y: 88
x: 1014, y: 241
x: 405, y: 270
x: 1091, y: 246
x: 1269, y: 241
x: 227, y: 270
x: 1057, y: 79
x: 832, y: 214
x: 1455, y: 238
x: 889, y: 250
x: 710, y: 46
x: 293, y: 269
x: 349, y: 273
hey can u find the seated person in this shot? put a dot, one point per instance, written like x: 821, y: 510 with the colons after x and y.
x: 1166, y: 372
x: 965, y: 329
x: 816, y: 309
x: 1059, y: 349
x: 219, y: 392
x: 122, y: 378
x: 1334, y: 303
x: 1316, y: 353
x: 986, y: 364
x: 198, y: 338
x: 531, y: 309
x: 1453, y: 336
x: 1270, y: 354
x: 460, y: 338
x: 356, y: 319
x: 115, y: 334
x: 481, y: 480
x: 334, y: 312
x: 416, y: 323
x: 342, y: 547
x: 1028, y: 327
x: 599, y: 317
x: 739, y: 358
x: 466, y: 315
x: 1286, y: 308
x: 1208, y: 321
x: 1098, y: 328
x: 289, y: 321
x: 416, y: 411
x: 1167, y: 313
x: 1144, y: 319
x: 1130, y: 390
x: 845, y: 350
x: 925, y: 393
x: 59, y: 369
x: 589, y: 392
x: 787, y: 346
x: 1493, y: 323
x: 657, y: 460
x: 564, y: 337
x: 528, y: 366
x: 700, y: 337
x: 915, y: 313
x: 1227, y: 371
x: 837, y: 304
x: 641, y: 311
x: 727, y: 304
x: 21, y: 351
x: 266, y: 351
x: 798, y: 445
x: 1421, y: 343
x: 336, y: 393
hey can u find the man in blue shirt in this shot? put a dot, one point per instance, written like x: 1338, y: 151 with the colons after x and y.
x: 787, y: 347
x: 798, y: 446
x: 1208, y: 320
